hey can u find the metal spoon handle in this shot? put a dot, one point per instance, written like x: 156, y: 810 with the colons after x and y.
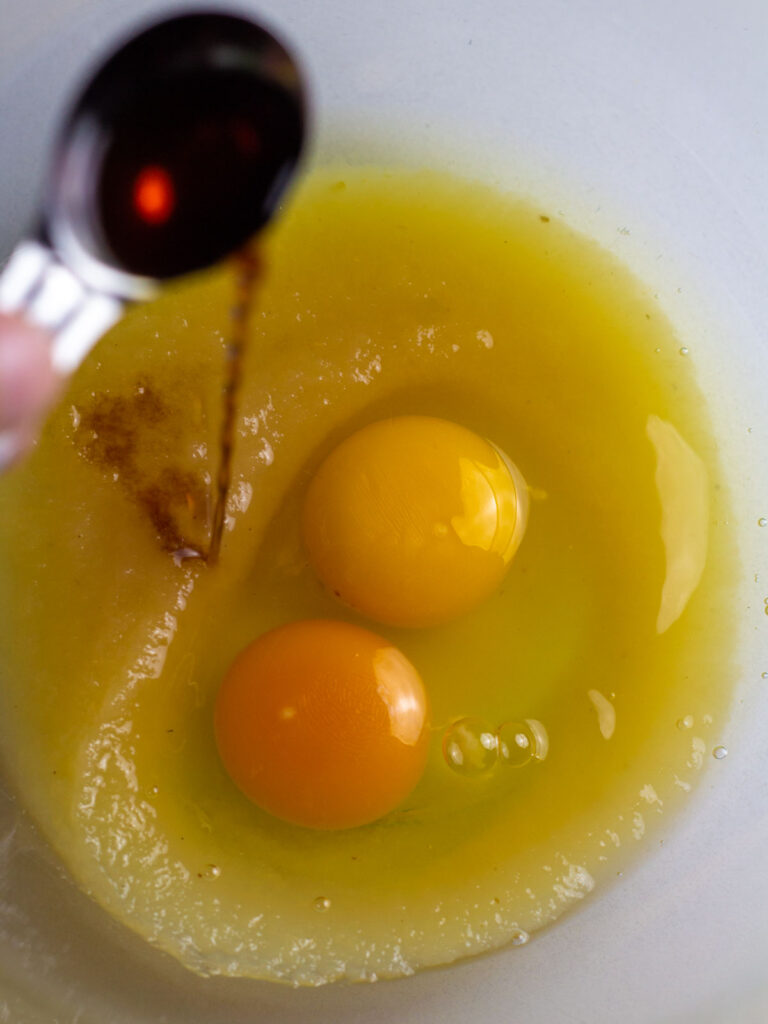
x: 35, y: 284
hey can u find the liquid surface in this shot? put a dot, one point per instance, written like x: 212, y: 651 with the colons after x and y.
x: 385, y: 295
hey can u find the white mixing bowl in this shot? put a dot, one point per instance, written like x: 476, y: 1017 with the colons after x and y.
x: 645, y: 124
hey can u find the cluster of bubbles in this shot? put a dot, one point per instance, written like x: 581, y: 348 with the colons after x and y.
x: 472, y: 747
x: 720, y: 752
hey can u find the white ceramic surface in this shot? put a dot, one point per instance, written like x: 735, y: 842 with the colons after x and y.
x: 646, y: 125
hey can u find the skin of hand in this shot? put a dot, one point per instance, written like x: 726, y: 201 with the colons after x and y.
x: 29, y: 385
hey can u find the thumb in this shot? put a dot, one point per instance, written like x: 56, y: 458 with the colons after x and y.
x: 28, y: 384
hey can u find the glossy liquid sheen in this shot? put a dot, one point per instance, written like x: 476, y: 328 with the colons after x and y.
x: 384, y: 294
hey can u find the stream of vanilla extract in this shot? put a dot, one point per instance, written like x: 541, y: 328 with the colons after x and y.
x: 247, y: 267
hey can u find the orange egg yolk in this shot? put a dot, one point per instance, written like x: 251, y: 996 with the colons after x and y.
x: 323, y: 724
x: 413, y: 521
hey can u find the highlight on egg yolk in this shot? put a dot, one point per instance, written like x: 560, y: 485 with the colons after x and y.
x: 414, y: 520
x: 323, y: 724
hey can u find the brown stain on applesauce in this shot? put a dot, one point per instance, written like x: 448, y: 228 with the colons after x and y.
x: 136, y: 439
x: 131, y: 437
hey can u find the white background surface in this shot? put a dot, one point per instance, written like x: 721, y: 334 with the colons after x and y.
x: 647, y: 116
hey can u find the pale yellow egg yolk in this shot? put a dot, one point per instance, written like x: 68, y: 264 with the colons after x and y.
x: 414, y: 520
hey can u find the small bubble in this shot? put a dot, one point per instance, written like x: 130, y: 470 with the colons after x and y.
x: 212, y: 871
x: 155, y: 790
x: 684, y: 350
x: 762, y: 521
x: 719, y: 753
x: 321, y: 904
x: 764, y: 675
x: 540, y: 738
x: 517, y: 744
x: 519, y: 937
x: 685, y: 723
x: 470, y: 746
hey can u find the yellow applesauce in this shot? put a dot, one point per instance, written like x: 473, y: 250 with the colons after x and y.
x: 608, y: 643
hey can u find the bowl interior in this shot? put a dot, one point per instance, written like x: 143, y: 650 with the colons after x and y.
x: 641, y: 124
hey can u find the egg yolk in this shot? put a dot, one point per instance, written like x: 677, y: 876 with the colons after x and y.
x: 414, y: 520
x: 323, y: 724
